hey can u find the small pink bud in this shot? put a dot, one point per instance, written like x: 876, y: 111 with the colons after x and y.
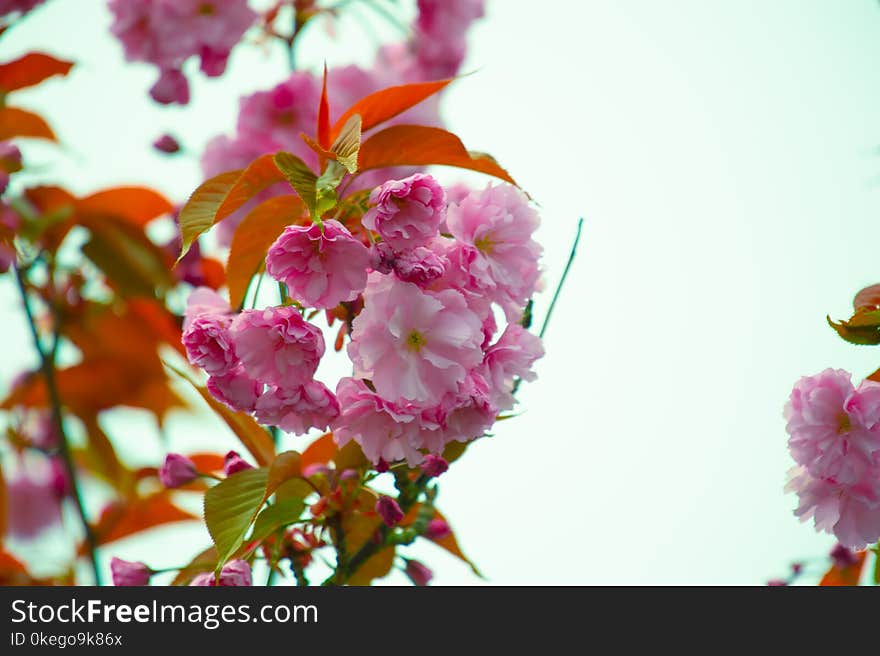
x: 349, y: 475
x: 171, y: 87
x: 437, y: 529
x: 177, y: 470
x: 418, y: 573
x: 434, y: 466
x: 126, y: 573
x: 389, y: 510
x: 166, y: 144
x: 233, y: 463
x: 382, y: 466
x: 843, y: 557
x: 797, y: 568
x: 777, y: 583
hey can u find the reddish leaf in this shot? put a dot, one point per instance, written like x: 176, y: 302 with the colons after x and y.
x: 323, y: 129
x: 212, y: 272
x: 16, y: 122
x: 259, y: 175
x: 49, y: 199
x: 383, y: 105
x: 416, y: 145
x: 135, y: 205
x: 319, y: 452
x: 29, y: 70
x: 252, y: 238
x: 249, y: 432
x: 199, y: 212
x: 845, y: 576
x: 867, y: 299
x: 207, y: 462
x: 876, y: 378
x: 119, y: 521
x: 2, y: 503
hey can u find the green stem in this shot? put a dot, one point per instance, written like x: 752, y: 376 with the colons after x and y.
x: 47, y: 364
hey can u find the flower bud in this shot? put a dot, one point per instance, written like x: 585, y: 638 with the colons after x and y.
x: 126, y: 573
x: 389, y: 510
x: 166, y: 144
x: 434, y: 466
x: 177, y: 470
x: 418, y: 573
x: 233, y: 463
x: 437, y: 529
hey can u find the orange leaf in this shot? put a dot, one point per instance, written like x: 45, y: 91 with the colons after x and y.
x: 135, y: 205
x: 252, y: 238
x: 449, y: 542
x: 120, y: 521
x: 867, y: 299
x: 323, y: 131
x: 417, y: 145
x: 286, y: 465
x: 207, y: 462
x: 319, y: 452
x: 384, y: 105
x: 377, y: 566
x: 259, y: 175
x: 16, y: 122
x: 845, y: 576
x: 199, y: 212
x: 2, y: 504
x: 49, y: 199
x: 29, y: 70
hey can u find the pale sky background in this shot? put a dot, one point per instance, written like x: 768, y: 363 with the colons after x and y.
x: 724, y: 156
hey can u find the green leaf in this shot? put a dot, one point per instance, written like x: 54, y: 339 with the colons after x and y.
x: 348, y: 144
x: 199, y: 212
x: 231, y: 507
x: 863, y: 328
x: 325, y: 194
x: 300, y: 176
x: 275, y: 516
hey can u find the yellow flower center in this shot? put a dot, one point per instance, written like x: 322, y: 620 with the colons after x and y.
x: 206, y: 9
x: 415, y: 341
x: 843, y: 424
x: 485, y: 244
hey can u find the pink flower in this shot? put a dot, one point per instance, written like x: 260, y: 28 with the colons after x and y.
x: 437, y: 529
x: 234, y: 573
x: 440, y: 28
x: 850, y: 512
x: 33, y: 504
x: 418, y: 573
x: 22, y: 6
x: 236, y: 389
x: 166, y: 144
x: 321, y: 266
x: 419, y: 266
x: 209, y: 345
x: 204, y: 301
x: 177, y: 470
x: 389, y: 510
x: 387, y: 432
x: 277, y: 346
x: 498, y: 255
x: 512, y: 356
x: 298, y: 409
x: 414, y: 344
x: 234, y: 463
x: 407, y: 213
x: 834, y: 428
x: 171, y: 87
x: 125, y: 573
x: 466, y: 413
x: 434, y: 466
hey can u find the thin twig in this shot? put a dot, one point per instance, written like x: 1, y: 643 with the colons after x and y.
x: 571, y: 255
x: 47, y: 364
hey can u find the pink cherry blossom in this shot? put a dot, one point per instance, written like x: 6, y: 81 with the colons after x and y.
x: 171, y: 87
x: 236, y: 389
x: 512, y: 356
x: 434, y: 466
x: 204, y: 301
x: 209, y: 345
x: 321, y: 265
x: 407, y: 213
x: 234, y: 573
x: 467, y: 413
x: 33, y: 504
x: 277, y: 346
x: 440, y: 40
x: 834, y: 428
x: 298, y: 409
x: 497, y: 252
x: 411, y: 343
x: 850, y: 512
x: 387, y: 432
x: 419, y: 266
x: 126, y: 573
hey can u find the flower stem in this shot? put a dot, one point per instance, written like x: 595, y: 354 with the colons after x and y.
x: 47, y: 365
x: 577, y: 238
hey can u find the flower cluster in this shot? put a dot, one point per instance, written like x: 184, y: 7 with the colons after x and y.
x: 273, y: 120
x: 834, y: 433
x: 168, y: 32
x: 429, y: 364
